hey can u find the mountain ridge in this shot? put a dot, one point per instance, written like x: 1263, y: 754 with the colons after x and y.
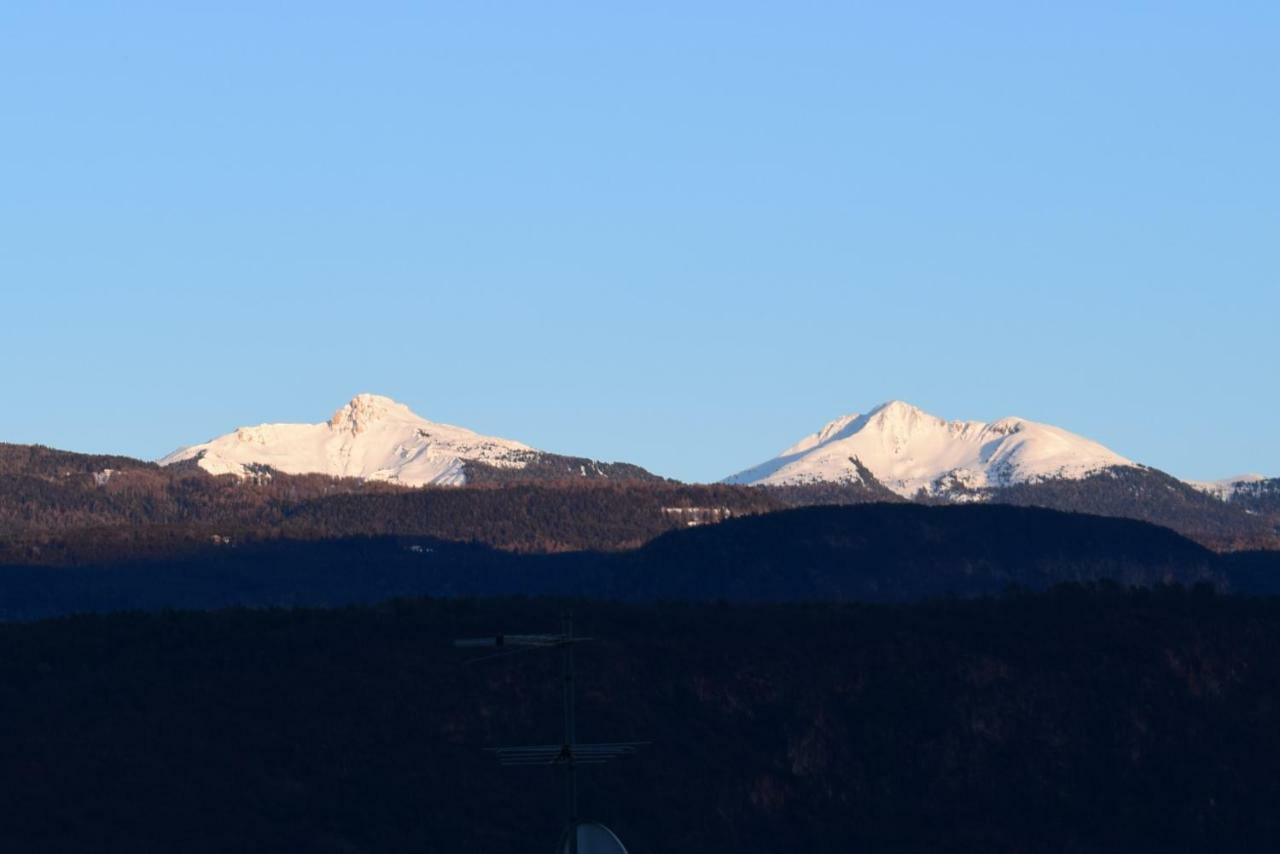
x: 373, y: 454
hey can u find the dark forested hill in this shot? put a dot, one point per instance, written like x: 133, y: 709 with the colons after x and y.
x: 41, y: 462
x: 1075, y: 721
x: 1152, y: 496
x: 899, y: 552
x: 550, y: 517
x: 44, y: 491
x: 61, y: 507
x: 872, y: 553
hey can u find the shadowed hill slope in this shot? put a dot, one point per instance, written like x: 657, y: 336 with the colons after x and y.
x: 1076, y: 721
x: 895, y: 552
x: 874, y: 553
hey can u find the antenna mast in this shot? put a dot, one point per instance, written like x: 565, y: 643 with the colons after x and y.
x: 570, y: 735
x: 569, y: 753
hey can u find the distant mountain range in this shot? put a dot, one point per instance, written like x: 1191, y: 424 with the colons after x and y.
x: 906, y: 450
x: 360, y: 472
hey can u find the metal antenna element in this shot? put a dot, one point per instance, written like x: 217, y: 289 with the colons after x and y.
x: 568, y: 754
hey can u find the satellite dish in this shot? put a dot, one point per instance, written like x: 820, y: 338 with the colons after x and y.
x: 593, y: 839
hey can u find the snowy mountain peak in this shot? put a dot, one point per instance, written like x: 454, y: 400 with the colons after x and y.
x: 908, y: 450
x: 901, y: 421
x: 900, y: 412
x: 372, y: 437
x: 365, y: 409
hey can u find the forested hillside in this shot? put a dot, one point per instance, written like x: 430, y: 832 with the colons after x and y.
x: 57, y: 505
x: 555, y: 468
x: 1080, y: 720
x: 870, y: 553
x: 1152, y: 496
x: 1251, y: 521
x: 1261, y: 498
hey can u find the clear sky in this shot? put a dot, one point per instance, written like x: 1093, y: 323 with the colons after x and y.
x: 679, y: 234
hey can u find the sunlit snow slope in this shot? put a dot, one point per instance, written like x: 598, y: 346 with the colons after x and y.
x: 372, y: 437
x: 909, y: 450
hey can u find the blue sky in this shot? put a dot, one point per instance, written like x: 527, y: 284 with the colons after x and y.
x: 679, y: 234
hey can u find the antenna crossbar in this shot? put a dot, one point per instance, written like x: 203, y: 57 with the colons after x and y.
x: 502, y: 640
x: 557, y: 754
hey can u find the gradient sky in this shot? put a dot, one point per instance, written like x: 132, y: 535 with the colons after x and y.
x: 678, y: 234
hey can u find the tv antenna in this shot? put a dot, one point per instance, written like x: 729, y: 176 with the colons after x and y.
x: 578, y: 837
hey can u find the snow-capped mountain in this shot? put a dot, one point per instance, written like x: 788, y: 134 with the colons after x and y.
x: 908, y: 450
x: 372, y: 438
